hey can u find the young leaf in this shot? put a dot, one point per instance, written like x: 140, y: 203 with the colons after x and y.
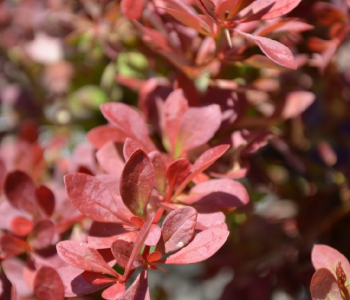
x: 83, y: 257
x: 45, y: 199
x: 219, y: 193
x: 137, y: 183
x: 204, y: 245
x: 276, y: 51
x: 324, y: 286
x: 103, y: 134
x: 20, y: 191
x: 91, y: 197
x: 197, y: 126
x: 48, y: 284
x: 203, y: 162
x: 129, y: 121
x: 178, y: 228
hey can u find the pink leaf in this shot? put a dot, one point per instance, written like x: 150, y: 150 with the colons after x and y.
x: 326, y: 257
x: 153, y: 235
x: 159, y: 170
x: 324, y: 286
x: 42, y: 234
x: 209, y: 217
x: 132, y: 9
x: 154, y: 256
x: 48, y: 284
x: 139, y: 242
x: 130, y: 146
x: 20, y: 191
x: 109, y: 159
x: 12, y: 246
x: 174, y: 108
x: 122, y: 251
x: 45, y: 199
x: 91, y: 197
x: 219, y: 193
x: 296, y: 103
x: 114, y: 292
x: 83, y: 257
x: 178, y: 228
x: 128, y: 121
x: 276, y: 51
x: 139, y: 289
x: 197, y: 126
x: 104, y: 134
x: 204, y: 245
x: 21, y: 226
x: 102, y: 235
x: 275, y: 8
x: 137, y: 183
x: 177, y: 173
x: 203, y: 162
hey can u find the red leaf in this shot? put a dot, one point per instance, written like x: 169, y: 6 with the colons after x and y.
x: 327, y: 13
x: 20, y: 191
x: 48, y: 284
x: 154, y: 256
x: 12, y: 246
x: 137, y: 183
x: 128, y: 121
x: 326, y: 257
x: 132, y: 9
x: 159, y: 170
x: 204, y: 245
x: 139, y: 289
x: 104, y: 134
x: 276, y: 51
x: 139, y: 242
x: 83, y: 257
x: 219, y: 193
x: 276, y: 8
x: 203, y: 162
x: 177, y: 173
x: 178, y: 228
x: 209, y: 217
x: 2, y: 174
x: 296, y: 103
x: 174, y: 108
x: 130, y: 146
x: 109, y: 159
x: 75, y: 284
x: 197, y: 126
x: 153, y: 235
x: 21, y: 226
x: 102, y: 235
x: 114, y: 292
x: 45, y: 199
x: 122, y: 251
x: 42, y: 234
x: 324, y: 286
x: 91, y: 197
x: 97, y: 278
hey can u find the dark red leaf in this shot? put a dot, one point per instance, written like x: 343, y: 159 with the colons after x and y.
x: 122, y: 251
x: 104, y: 134
x: 48, y: 284
x: 276, y: 9
x: 203, y: 162
x: 128, y: 121
x: 159, y: 170
x: 21, y: 226
x: 218, y: 193
x: 137, y: 183
x: 178, y: 228
x: 130, y: 146
x: 20, y: 191
x: 12, y: 246
x: 83, y: 257
x: 177, y: 173
x: 2, y: 174
x: 324, y: 286
x: 109, y: 159
x: 276, y: 51
x: 197, y: 126
x: 132, y: 9
x: 139, y: 289
x: 45, y: 199
x: 204, y: 245
x: 139, y: 242
x: 91, y: 197
x: 42, y: 234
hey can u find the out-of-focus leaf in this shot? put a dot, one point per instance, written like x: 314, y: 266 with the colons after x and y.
x: 130, y: 146
x: 296, y: 103
x: 104, y: 134
x: 274, y: 8
x: 139, y: 289
x: 48, y: 284
x: 109, y: 159
x: 132, y: 9
x: 42, y: 234
x: 45, y: 199
x: 324, y: 286
x: 122, y: 251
